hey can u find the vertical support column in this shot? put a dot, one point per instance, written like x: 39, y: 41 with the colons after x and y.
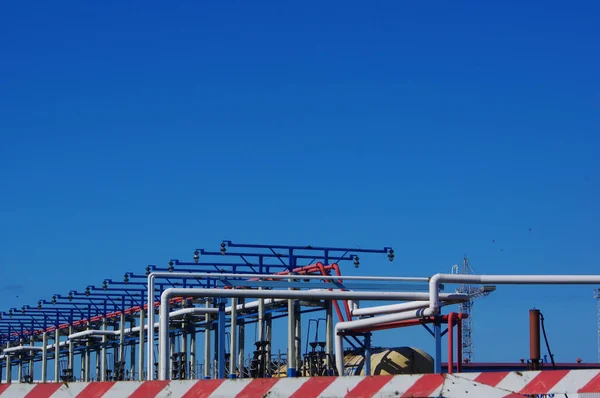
x: 268, y: 337
x: 97, y: 378
x: 207, y: 350
x: 103, y: 352
x: 241, y: 345
x: 172, y: 351
x: 70, y: 362
x: 88, y: 358
x: 329, y: 336
x: 222, y: 343
x: 20, y: 364
x: 298, y: 347
x: 57, y: 355
x: 291, y: 354
x: 233, y: 342
x: 31, y: 372
x: 192, y: 360
x: 141, y: 342
x: 437, y: 334
x: 122, y: 337
x: 44, y: 356
x: 184, y: 348
x: 8, y: 362
x: 83, y: 363
x: 367, y: 354
x: 132, y: 357
x: 261, y: 319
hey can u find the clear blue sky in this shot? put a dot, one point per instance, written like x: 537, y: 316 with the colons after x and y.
x: 133, y: 132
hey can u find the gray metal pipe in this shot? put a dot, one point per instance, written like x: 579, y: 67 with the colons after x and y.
x: 244, y: 293
x: 195, y: 275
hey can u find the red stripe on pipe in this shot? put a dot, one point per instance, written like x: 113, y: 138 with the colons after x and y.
x: 149, y: 389
x: 313, y: 387
x: 203, y: 388
x: 592, y: 386
x: 96, y: 390
x: 369, y: 386
x: 43, y: 390
x: 257, y: 388
x: 544, y: 381
x: 425, y: 386
x: 3, y: 387
x: 491, y: 379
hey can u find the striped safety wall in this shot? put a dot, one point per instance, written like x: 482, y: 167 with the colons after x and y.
x: 501, y: 384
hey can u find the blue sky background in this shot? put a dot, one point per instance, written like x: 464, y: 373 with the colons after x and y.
x: 133, y: 132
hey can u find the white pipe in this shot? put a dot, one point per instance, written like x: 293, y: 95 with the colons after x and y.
x: 362, y: 323
x: 390, y: 309
x: 23, y: 348
x: 163, y: 330
x: 435, y: 296
x: 397, y: 308
x: 195, y: 275
x: 434, y: 282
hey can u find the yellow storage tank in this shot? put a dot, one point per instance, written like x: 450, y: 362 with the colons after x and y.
x: 384, y: 361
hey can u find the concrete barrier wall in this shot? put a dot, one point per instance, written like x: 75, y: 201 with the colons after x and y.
x: 489, y: 385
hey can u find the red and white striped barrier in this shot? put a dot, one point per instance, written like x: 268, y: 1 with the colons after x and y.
x: 492, y: 385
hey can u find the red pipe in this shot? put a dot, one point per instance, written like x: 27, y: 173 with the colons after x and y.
x: 450, y: 343
x: 335, y: 303
x: 459, y: 343
x: 336, y: 268
x: 313, y: 268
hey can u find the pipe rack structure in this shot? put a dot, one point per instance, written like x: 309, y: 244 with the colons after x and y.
x: 103, y: 324
x: 108, y: 332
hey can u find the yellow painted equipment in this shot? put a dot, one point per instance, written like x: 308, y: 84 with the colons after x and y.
x: 384, y: 361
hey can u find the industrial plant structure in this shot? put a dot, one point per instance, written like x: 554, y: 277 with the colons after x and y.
x: 212, y: 318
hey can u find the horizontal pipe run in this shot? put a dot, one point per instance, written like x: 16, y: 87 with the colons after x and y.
x: 390, y: 309
x: 436, y: 280
x: 195, y: 275
x: 362, y: 323
x: 276, y: 294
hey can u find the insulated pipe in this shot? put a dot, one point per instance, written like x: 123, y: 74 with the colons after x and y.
x: 195, y: 275
x: 23, y: 348
x: 390, y: 309
x: 163, y: 329
x: 434, y: 282
x: 362, y: 323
